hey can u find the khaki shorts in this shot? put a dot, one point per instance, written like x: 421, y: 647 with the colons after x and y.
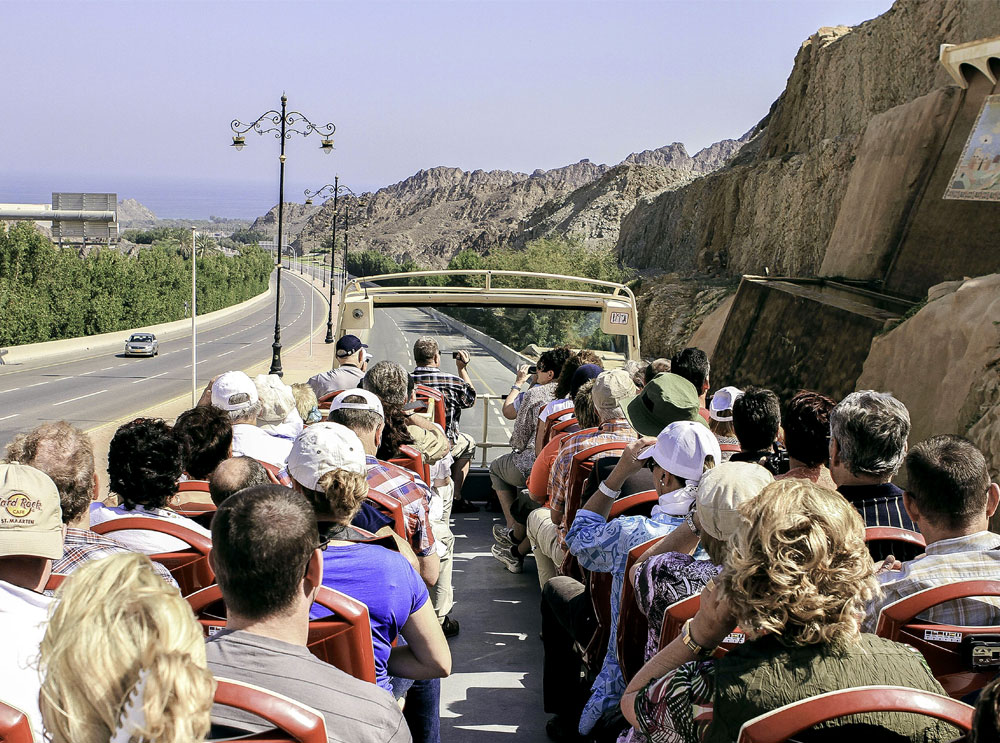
x: 464, y: 446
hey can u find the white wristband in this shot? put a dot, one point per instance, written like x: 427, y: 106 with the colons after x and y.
x: 607, y: 492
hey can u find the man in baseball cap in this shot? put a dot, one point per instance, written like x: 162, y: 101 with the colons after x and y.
x: 352, y: 362
x: 31, y: 537
x: 235, y: 393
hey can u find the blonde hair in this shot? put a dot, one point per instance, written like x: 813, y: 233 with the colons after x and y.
x: 305, y: 399
x: 798, y: 566
x: 340, y: 495
x: 114, y: 617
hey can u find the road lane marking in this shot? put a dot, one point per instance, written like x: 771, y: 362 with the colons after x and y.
x: 226, y: 353
x: 78, y: 398
x: 9, y: 416
x: 12, y: 389
x: 36, y: 384
x: 146, y: 379
x: 107, y: 367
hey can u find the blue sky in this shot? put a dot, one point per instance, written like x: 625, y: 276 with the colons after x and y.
x: 147, y: 89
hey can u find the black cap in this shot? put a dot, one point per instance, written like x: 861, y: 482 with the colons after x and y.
x: 349, y: 345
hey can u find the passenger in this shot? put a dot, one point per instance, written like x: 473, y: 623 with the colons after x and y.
x: 950, y: 498
x: 868, y: 432
x: 269, y: 566
x: 306, y: 403
x: 144, y: 464
x: 720, y: 412
x: 278, y: 415
x: 656, y: 366
x: 236, y: 394
x: 509, y: 472
x: 679, y: 456
x: 352, y: 362
x: 361, y: 411
x: 329, y: 467
x: 547, y: 527
x: 206, y: 437
x: 31, y: 537
x: 65, y: 454
x: 395, y: 388
x: 459, y: 394
x: 123, y: 659
x: 638, y: 373
x: 757, y: 420
x: 563, y: 400
x: 692, y: 364
x: 986, y: 721
x: 233, y: 475
x: 796, y: 581
x: 807, y: 438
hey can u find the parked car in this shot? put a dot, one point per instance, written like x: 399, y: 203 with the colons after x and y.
x: 142, y: 344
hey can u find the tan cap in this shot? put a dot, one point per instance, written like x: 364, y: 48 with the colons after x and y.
x: 610, y: 388
x: 30, y: 513
x: 722, y: 491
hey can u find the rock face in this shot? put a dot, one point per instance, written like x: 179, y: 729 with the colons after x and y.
x: 671, y: 309
x: 675, y: 155
x: 131, y: 212
x: 944, y: 364
x: 295, y: 218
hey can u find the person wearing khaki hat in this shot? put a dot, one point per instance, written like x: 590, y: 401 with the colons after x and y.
x: 235, y: 393
x: 667, y: 398
x: 31, y: 537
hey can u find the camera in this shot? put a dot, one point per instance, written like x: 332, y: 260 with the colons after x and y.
x: 533, y: 369
x: 456, y: 354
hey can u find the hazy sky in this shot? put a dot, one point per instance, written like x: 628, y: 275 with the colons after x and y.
x: 147, y: 89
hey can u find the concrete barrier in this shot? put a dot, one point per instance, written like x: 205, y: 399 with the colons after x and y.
x: 502, y: 352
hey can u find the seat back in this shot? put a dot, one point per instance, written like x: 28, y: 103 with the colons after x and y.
x: 343, y: 640
x: 570, y: 425
x: 433, y: 397
x: 580, y: 470
x: 293, y: 721
x: 192, y: 486
x: 903, y: 544
x: 52, y: 583
x: 633, y: 628
x: 637, y: 504
x: 392, y: 507
x: 201, y: 513
x: 189, y: 567
x: 681, y: 611
x: 551, y: 419
x: 411, y: 459
x: 14, y: 725
x: 779, y: 725
x: 940, y: 644
x: 323, y: 402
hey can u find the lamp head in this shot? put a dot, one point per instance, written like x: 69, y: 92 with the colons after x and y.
x: 327, y: 145
x: 239, y: 141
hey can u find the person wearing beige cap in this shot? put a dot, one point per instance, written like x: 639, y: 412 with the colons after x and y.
x: 31, y: 537
x: 236, y: 394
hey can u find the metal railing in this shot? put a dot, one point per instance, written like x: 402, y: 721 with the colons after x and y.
x: 485, y: 444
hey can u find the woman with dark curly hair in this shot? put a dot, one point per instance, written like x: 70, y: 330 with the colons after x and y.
x: 797, y: 579
x: 145, y: 460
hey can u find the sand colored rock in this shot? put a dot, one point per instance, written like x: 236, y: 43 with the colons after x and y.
x: 707, y: 335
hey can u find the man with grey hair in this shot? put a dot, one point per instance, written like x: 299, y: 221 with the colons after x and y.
x: 233, y: 475
x: 235, y: 393
x: 868, y: 432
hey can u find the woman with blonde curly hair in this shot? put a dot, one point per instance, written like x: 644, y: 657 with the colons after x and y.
x: 123, y: 659
x: 796, y: 581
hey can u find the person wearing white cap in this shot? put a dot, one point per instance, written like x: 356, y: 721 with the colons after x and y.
x: 235, y: 393
x: 31, y: 537
x: 278, y: 416
x: 720, y: 413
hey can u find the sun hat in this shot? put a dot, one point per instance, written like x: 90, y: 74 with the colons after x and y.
x: 723, y: 400
x: 681, y: 449
x: 323, y: 447
x: 667, y: 398
x: 721, y: 492
x: 371, y: 402
x: 611, y: 388
x: 234, y: 390
x: 276, y: 398
x: 31, y: 522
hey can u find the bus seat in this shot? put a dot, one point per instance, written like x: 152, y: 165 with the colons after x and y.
x: 14, y: 725
x: 293, y: 721
x: 633, y: 629
x: 392, y: 507
x: 681, y: 611
x: 551, y: 420
x: 411, y: 459
x: 580, y: 470
x: 427, y: 394
x: 902, y: 543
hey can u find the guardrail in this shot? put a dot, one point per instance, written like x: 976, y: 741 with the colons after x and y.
x: 485, y: 444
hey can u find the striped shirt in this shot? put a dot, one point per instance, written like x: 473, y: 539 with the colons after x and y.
x: 970, y: 557
x: 415, y: 496
x: 458, y: 394
x: 879, y: 505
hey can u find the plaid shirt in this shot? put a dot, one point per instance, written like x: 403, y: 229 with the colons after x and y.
x: 415, y: 496
x: 458, y: 394
x: 617, y: 429
x: 82, y: 545
x: 972, y: 557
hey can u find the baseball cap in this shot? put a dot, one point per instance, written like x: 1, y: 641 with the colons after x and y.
x: 667, y: 398
x: 611, y: 388
x: 32, y: 517
x: 349, y: 345
x: 323, y: 447
x: 234, y: 390
x: 723, y: 400
x: 371, y: 403
x: 276, y: 398
x: 721, y: 492
x: 681, y: 449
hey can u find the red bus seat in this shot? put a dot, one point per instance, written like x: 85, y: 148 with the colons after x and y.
x: 391, y: 507
x: 633, y: 629
x: 681, y: 611
x: 940, y: 644
x: 428, y: 395
x: 293, y: 721
x: 14, y: 725
x: 580, y: 470
x: 54, y: 581
x: 343, y: 640
x: 902, y: 543
x: 570, y: 425
x: 411, y: 459
x: 192, y: 486
x: 637, y: 504
x: 189, y: 567
x: 552, y: 419
x: 323, y: 403
x: 780, y: 724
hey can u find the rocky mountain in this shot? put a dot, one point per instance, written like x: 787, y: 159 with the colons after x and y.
x: 131, y: 213
x: 675, y: 155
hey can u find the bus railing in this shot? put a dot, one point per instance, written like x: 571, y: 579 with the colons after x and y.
x: 484, y: 443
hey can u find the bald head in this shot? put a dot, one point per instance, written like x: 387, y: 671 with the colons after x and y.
x: 233, y: 475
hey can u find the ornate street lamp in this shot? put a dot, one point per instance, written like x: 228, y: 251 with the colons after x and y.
x: 283, y: 123
x: 336, y: 189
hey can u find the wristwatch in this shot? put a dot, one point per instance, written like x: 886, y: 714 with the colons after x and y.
x: 689, y: 520
x: 700, y: 652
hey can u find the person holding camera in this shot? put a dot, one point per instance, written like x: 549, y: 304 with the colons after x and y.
x: 352, y: 362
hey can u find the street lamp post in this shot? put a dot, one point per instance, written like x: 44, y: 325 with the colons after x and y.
x: 336, y: 189
x: 283, y: 125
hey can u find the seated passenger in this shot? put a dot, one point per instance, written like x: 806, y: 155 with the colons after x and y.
x: 564, y: 393
x: 807, y: 438
x: 65, y: 454
x: 756, y: 421
x: 678, y: 456
x: 123, y: 659
x: 637, y: 371
x: 720, y: 412
x: 796, y: 581
x: 269, y: 566
x: 306, y: 403
x: 352, y: 363
x: 31, y: 538
x: 233, y: 475
x: 361, y: 411
x: 206, y: 437
x: 278, y: 415
x: 868, y: 432
x: 656, y: 366
x: 144, y: 464
x: 236, y: 394
x: 950, y: 498
x: 692, y: 364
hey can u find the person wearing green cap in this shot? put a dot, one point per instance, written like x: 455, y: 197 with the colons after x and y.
x: 667, y: 398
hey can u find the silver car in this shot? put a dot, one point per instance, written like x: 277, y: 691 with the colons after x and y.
x: 142, y: 344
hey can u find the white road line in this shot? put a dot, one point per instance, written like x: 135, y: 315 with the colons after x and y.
x: 12, y: 389
x: 9, y: 416
x: 36, y: 384
x: 78, y: 398
x: 146, y: 379
x: 107, y: 367
x: 226, y: 353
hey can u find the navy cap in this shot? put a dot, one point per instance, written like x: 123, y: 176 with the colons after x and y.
x: 349, y: 345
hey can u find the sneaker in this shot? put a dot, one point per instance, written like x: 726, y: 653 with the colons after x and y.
x: 503, y: 536
x: 464, y: 506
x: 503, y: 554
x: 449, y: 626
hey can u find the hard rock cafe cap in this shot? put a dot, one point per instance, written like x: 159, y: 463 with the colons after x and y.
x: 681, y: 449
x: 723, y: 400
x: 234, y: 390
x: 667, y: 398
x: 323, y: 447
x: 30, y: 514
x: 349, y: 345
x: 371, y: 401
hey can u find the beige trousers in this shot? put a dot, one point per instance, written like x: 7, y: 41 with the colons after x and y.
x: 442, y: 593
x: 544, y: 536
